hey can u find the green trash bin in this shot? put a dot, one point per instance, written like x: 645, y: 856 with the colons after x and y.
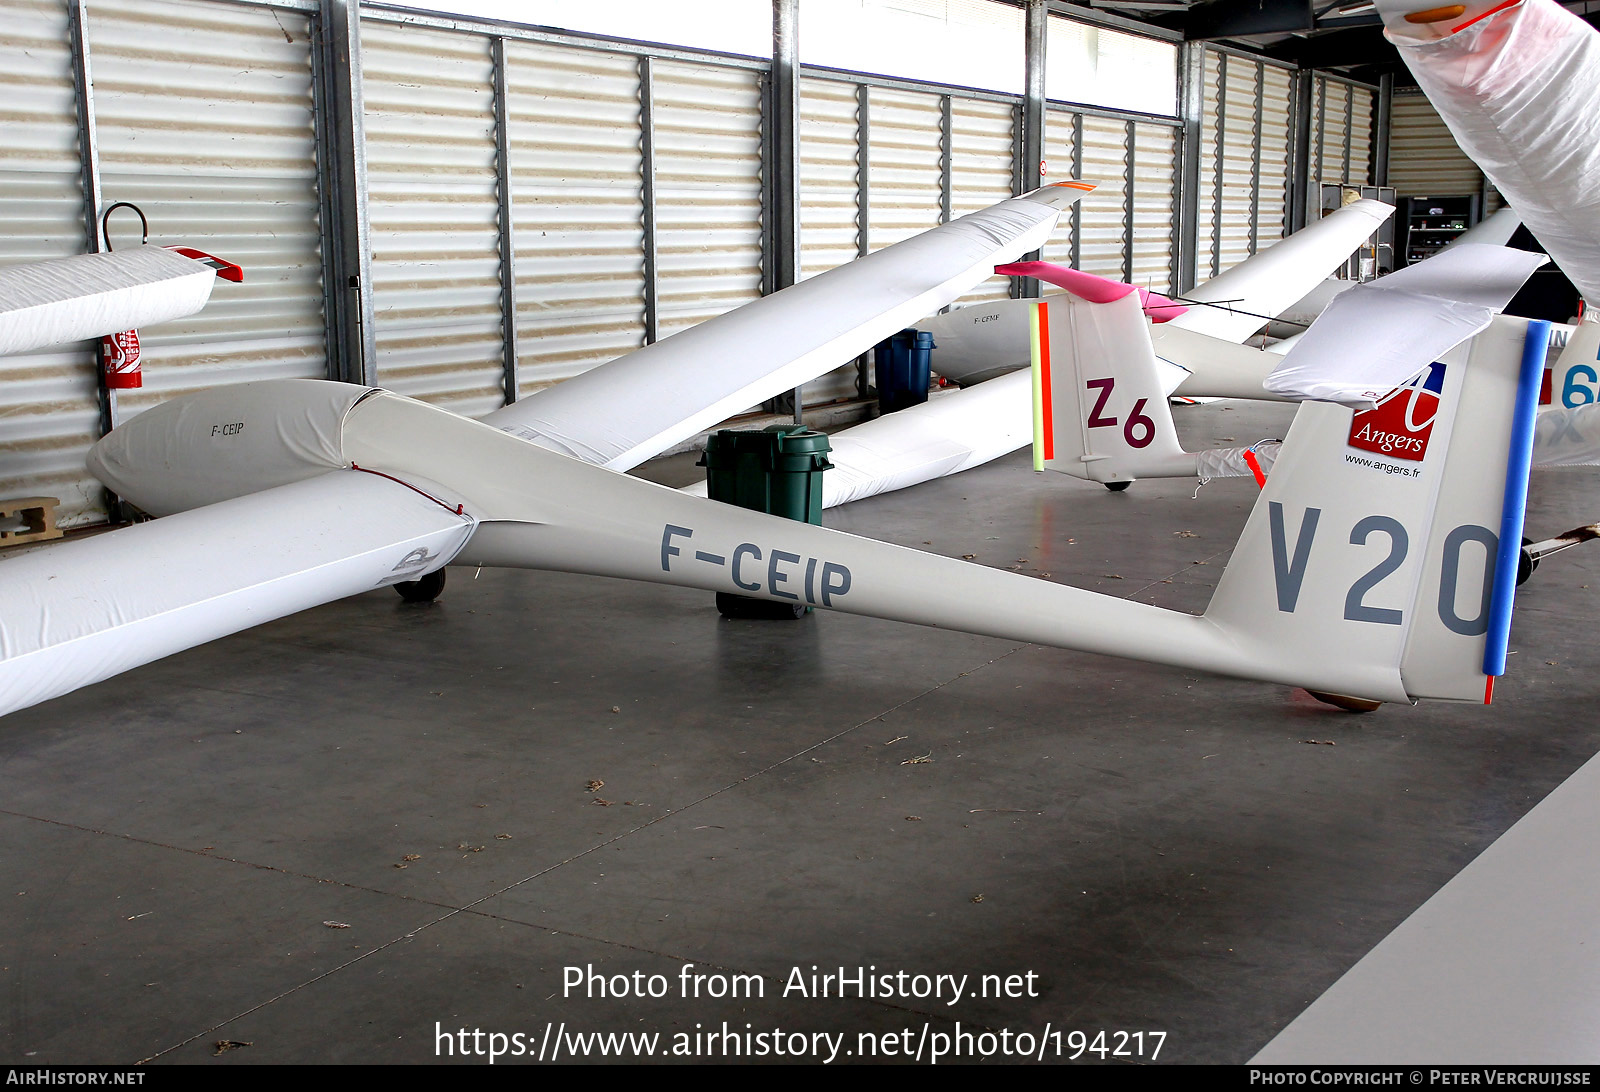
x: 777, y: 470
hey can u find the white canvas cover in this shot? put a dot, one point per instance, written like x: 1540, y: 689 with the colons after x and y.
x: 83, y: 610
x: 64, y: 300
x: 952, y: 431
x: 633, y: 408
x: 226, y: 442
x: 1518, y: 90
x: 1273, y: 280
x: 1401, y: 323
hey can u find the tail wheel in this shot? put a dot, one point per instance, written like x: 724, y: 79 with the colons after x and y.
x: 1526, y: 563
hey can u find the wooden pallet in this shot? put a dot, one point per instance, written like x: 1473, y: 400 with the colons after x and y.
x: 38, y: 520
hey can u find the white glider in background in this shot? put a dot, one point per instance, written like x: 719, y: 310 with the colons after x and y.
x: 992, y: 416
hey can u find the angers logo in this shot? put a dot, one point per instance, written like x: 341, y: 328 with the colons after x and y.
x: 1402, y: 421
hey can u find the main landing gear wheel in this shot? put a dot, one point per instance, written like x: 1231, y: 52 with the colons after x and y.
x: 740, y: 606
x: 1117, y: 487
x: 423, y: 590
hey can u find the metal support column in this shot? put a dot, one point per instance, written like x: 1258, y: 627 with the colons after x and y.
x: 507, y: 214
x: 1255, y: 157
x: 1031, y: 159
x: 783, y: 160
x: 1077, y: 206
x: 1381, y: 120
x: 342, y: 168
x: 1349, y: 132
x: 1129, y: 159
x: 1300, y: 171
x: 863, y: 211
x: 947, y: 147
x: 647, y: 149
x: 1191, y: 107
x: 1218, y: 163
x: 89, y: 162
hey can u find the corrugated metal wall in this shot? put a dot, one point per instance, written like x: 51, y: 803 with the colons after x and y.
x: 1341, y: 132
x: 204, y: 118
x: 578, y: 208
x: 1246, y: 137
x: 905, y: 160
x: 708, y: 190
x: 1125, y: 228
x: 830, y: 174
x: 1424, y: 159
x: 982, y: 138
x: 632, y: 179
x: 203, y: 114
x: 431, y: 192
x: 49, y: 411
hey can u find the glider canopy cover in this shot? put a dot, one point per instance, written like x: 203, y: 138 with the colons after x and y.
x: 63, y: 300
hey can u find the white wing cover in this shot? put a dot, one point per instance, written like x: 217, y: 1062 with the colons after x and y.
x: 1518, y: 90
x: 623, y: 413
x: 1401, y: 323
x: 81, y: 611
x: 89, y: 295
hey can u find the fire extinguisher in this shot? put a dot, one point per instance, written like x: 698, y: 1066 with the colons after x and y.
x: 119, y: 353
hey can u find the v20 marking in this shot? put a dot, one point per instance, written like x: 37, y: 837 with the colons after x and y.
x: 1288, y: 572
x: 1137, y: 421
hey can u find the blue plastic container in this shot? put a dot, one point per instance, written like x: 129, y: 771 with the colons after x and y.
x: 902, y: 363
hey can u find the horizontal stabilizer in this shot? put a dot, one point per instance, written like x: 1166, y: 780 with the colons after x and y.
x: 85, y: 296
x: 1094, y: 288
x: 1403, y: 322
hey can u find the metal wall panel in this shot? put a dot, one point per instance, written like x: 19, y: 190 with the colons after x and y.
x: 1062, y: 161
x: 1213, y: 102
x: 578, y: 207
x: 982, y: 144
x: 1103, y: 223
x: 904, y: 161
x: 1154, y: 180
x: 1277, y: 145
x: 1246, y: 141
x: 1363, y: 103
x: 49, y: 411
x: 829, y: 174
x: 1232, y: 238
x: 431, y: 196
x: 1424, y: 159
x: 204, y: 118
x: 708, y: 190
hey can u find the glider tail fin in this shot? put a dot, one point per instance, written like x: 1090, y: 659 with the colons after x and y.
x: 1382, y: 552
x: 1100, y: 393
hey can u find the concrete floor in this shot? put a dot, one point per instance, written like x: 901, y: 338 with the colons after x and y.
x: 1165, y: 852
